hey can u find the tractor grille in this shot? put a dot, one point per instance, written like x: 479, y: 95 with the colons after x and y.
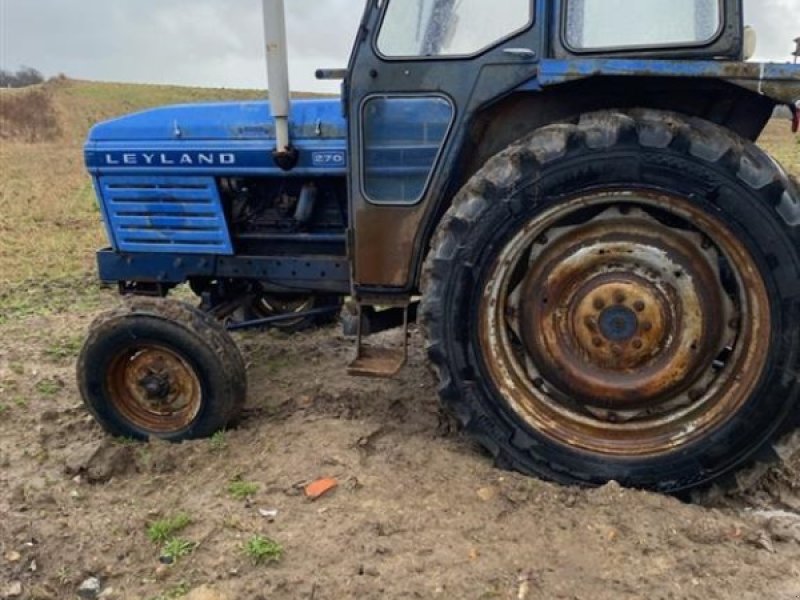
x: 165, y: 214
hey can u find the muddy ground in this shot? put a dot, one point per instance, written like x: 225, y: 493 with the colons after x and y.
x: 420, y: 512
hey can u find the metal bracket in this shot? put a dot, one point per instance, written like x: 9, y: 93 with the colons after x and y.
x: 380, y: 362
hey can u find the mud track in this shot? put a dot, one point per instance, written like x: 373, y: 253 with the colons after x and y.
x: 419, y: 511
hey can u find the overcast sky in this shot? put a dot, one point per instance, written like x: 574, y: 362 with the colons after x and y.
x: 218, y: 43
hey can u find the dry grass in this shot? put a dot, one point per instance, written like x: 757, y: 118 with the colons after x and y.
x: 781, y: 143
x: 28, y: 116
x: 49, y: 223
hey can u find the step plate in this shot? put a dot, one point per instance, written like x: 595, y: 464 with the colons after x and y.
x: 382, y: 363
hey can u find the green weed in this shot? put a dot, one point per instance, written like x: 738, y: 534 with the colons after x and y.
x: 241, y: 490
x: 177, y: 548
x: 64, y: 348
x: 163, y: 530
x: 263, y: 550
x: 49, y: 387
x: 218, y: 442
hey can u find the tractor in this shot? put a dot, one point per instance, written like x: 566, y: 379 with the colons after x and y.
x: 565, y: 194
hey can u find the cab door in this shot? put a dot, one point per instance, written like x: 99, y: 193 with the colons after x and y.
x: 420, y: 70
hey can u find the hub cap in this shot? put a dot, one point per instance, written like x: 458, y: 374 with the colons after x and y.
x: 625, y: 323
x: 155, y: 388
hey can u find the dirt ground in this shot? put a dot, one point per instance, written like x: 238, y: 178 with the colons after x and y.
x: 419, y: 512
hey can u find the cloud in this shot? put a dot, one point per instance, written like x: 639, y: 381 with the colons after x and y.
x: 219, y: 42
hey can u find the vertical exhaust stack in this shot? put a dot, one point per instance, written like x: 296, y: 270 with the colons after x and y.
x: 285, y: 156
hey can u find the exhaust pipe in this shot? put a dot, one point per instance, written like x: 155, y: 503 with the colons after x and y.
x: 285, y: 156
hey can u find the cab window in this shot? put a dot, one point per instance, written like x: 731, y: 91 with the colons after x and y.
x: 620, y: 24
x: 433, y: 28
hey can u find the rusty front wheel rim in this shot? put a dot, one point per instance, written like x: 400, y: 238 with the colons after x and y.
x: 154, y: 388
x: 562, y: 367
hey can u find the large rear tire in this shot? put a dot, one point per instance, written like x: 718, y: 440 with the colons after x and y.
x: 159, y: 368
x: 617, y: 299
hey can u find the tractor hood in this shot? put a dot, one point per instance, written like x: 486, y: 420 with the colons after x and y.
x: 311, y: 119
x: 218, y: 139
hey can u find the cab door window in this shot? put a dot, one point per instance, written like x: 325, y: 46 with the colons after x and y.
x: 441, y: 28
x: 620, y: 24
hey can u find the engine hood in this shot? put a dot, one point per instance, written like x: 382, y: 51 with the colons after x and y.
x: 310, y: 119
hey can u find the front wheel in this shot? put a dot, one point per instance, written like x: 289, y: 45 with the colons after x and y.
x: 629, y: 285
x: 158, y: 368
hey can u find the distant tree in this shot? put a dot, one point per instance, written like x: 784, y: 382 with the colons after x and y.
x: 23, y: 77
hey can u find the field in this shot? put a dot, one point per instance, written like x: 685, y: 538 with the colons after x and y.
x: 419, y: 512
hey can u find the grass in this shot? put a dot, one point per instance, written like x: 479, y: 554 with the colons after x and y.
x: 241, y: 490
x: 64, y: 348
x: 49, y: 387
x: 178, y: 591
x: 177, y: 548
x: 163, y: 530
x: 218, y: 442
x: 262, y: 550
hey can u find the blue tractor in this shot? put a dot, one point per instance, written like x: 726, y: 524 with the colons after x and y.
x: 565, y: 193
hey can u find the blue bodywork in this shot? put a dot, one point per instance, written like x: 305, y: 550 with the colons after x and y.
x: 155, y: 172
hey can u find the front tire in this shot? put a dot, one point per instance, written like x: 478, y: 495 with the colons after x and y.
x: 629, y: 289
x: 162, y: 369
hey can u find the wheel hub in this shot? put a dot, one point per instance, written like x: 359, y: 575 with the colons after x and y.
x: 617, y: 324
x: 622, y: 322
x: 155, y: 388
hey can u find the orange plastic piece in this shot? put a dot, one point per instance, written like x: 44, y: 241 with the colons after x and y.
x: 320, y: 487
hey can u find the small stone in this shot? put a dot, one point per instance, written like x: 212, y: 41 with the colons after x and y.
x: 784, y: 529
x: 161, y: 572
x: 13, y: 556
x: 487, y: 494
x: 90, y: 588
x: 13, y: 590
x: 269, y: 514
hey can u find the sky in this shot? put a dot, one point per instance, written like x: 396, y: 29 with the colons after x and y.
x: 218, y: 43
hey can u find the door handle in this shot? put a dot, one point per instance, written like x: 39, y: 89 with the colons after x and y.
x: 525, y: 53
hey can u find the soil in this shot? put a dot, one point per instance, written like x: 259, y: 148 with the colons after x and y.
x: 419, y: 511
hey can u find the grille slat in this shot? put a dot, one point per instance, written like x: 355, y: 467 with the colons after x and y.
x: 157, y: 214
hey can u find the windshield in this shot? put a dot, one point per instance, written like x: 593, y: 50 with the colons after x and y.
x: 449, y: 27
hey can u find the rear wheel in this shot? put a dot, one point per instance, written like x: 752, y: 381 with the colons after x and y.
x: 629, y: 285
x: 158, y: 368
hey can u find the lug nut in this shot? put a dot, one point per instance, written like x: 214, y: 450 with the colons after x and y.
x: 616, y: 351
x: 619, y: 297
x: 647, y: 326
x: 637, y: 344
x: 597, y: 342
x: 639, y: 306
x: 599, y: 303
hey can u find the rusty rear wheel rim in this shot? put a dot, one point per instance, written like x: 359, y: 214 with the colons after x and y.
x: 154, y: 388
x: 625, y: 323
